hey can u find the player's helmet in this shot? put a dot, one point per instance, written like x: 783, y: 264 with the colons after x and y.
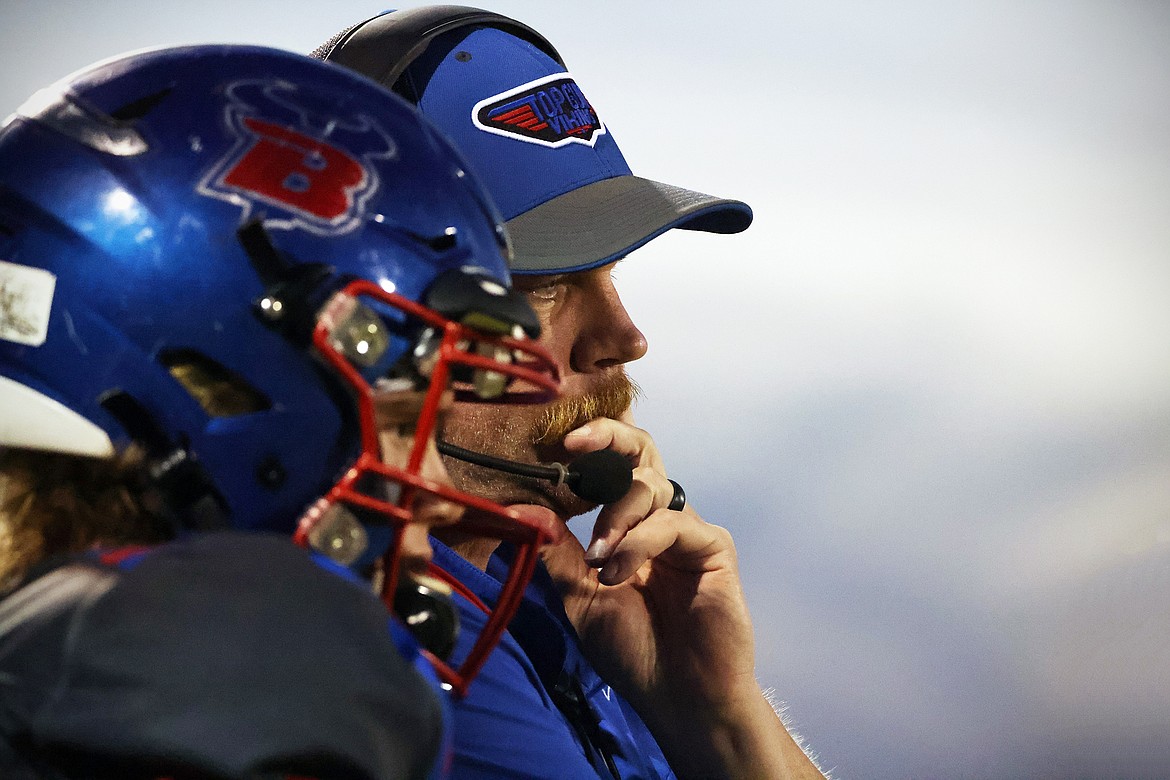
x: 275, y: 226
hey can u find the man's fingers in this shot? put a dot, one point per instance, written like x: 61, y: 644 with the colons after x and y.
x: 648, y: 496
x: 680, y: 539
x: 649, y: 492
x: 606, y: 434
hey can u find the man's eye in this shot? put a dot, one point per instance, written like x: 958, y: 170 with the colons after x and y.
x: 545, y: 294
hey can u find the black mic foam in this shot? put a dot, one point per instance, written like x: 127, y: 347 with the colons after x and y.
x: 603, y: 476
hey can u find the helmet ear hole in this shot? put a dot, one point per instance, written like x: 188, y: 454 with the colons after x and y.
x: 218, y: 390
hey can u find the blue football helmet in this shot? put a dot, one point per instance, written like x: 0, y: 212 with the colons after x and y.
x: 278, y: 225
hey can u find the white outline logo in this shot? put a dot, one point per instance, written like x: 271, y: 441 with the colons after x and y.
x: 560, y: 111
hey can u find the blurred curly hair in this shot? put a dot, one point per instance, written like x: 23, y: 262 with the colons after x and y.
x: 52, y: 504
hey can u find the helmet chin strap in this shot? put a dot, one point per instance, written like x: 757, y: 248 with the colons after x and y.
x: 287, y: 304
x: 190, y: 500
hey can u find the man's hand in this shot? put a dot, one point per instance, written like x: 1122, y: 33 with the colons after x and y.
x: 666, y: 623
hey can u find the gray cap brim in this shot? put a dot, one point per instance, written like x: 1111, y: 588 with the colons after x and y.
x: 601, y: 222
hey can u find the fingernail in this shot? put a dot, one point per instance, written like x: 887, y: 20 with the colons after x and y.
x: 597, y: 553
x: 582, y: 431
x: 611, y: 573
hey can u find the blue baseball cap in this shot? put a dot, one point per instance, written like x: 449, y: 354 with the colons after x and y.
x: 529, y: 133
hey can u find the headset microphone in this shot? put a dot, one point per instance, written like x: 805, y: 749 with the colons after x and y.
x: 602, y: 477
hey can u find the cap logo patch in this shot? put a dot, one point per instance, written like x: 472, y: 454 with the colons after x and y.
x: 305, y: 168
x: 551, y: 111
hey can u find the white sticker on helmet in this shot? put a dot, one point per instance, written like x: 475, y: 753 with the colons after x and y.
x: 26, y: 298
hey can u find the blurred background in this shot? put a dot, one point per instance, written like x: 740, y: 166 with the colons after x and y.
x: 928, y: 390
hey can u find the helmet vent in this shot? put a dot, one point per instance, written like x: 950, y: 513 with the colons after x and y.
x: 136, y: 109
x: 218, y: 390
x: 83, y: 124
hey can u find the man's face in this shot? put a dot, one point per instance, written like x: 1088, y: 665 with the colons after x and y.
x: 589, y: 332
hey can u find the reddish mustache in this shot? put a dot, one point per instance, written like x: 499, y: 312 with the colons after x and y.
x: 612, y: 399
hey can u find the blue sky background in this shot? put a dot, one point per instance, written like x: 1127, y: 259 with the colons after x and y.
x: 928, y: 390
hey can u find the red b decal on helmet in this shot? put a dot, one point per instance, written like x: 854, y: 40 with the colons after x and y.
x: 301, y: 172
x: 299, y: 166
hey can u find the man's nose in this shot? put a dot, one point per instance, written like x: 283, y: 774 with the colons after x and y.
x: 608, y: 336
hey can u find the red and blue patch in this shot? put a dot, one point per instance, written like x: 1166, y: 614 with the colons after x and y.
x: 551, y: 111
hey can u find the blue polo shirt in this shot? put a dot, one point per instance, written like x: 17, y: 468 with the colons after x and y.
x: 537, y: 709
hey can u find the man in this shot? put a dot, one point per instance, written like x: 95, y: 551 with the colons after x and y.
x: 238, y: 288
x: 654, y: 602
